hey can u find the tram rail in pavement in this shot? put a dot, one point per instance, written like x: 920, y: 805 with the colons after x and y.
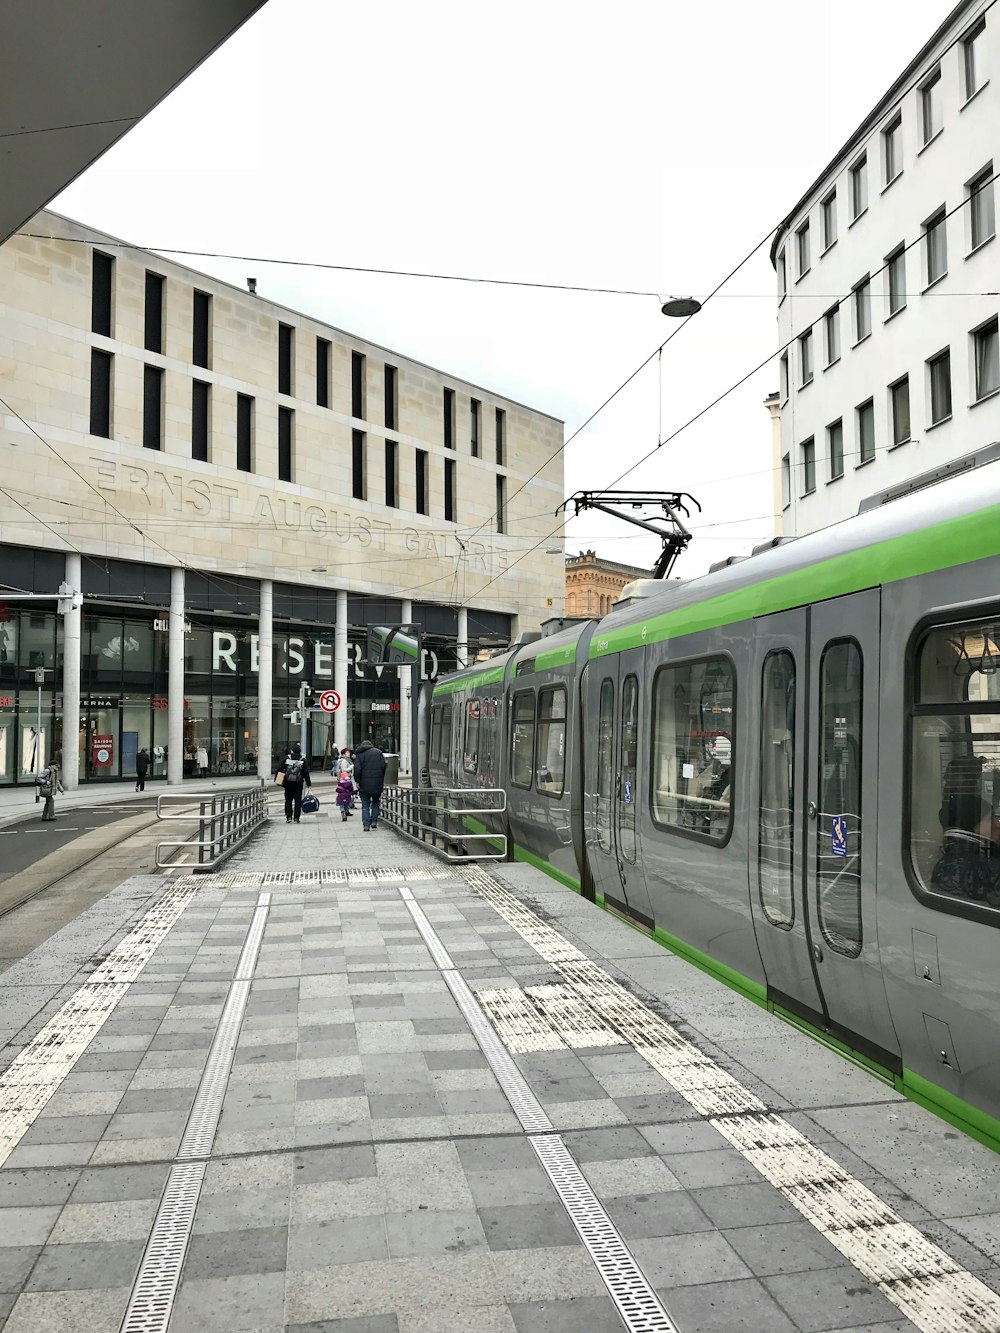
x: 455, y: 1097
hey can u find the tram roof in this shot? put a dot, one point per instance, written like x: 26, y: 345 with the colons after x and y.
x: 944, y: 525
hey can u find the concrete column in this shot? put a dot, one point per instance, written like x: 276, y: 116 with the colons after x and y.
x: 265, y: 678
x: 175, y: 680
x: 340, y: 671
x: 406, y: 699
x: 462, y: 646
x: 71, y: 681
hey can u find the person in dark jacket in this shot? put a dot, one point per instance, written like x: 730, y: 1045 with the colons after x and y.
x: 296, y: 778
x: 141, y: 769
x: 369, y: 774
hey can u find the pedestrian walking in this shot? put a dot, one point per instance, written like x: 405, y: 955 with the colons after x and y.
x: 141, y: 769
x: 293, y: 774
x: 201, y: 760
x: 345, y: 764
x: 369, y: 774
x: 345, y: 795
x: 334, y: 758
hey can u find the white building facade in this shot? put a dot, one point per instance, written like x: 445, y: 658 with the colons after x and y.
x: 238, y: 490
x: 888, y: 270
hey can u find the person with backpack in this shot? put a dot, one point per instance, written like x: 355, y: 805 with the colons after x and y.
x: 293, y: 774
x: 369, y: 774
x: 47, y: 783
x: 141, y: 769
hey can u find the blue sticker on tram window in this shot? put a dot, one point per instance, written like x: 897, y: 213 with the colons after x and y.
x: 838, y: 844
x: 628, y: 792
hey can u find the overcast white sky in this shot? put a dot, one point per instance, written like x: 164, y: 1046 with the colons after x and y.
x: 637, y: 145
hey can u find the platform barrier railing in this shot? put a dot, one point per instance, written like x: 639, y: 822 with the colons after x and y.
x: 463, y: 823
x: 226, y: 819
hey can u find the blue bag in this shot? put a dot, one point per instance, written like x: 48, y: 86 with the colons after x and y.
x: 310, y: 804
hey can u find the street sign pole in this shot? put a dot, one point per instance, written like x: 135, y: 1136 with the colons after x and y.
x: 40, y: 681
x: 304, y: 721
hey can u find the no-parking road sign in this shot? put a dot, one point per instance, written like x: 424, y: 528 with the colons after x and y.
x: 329, y: 701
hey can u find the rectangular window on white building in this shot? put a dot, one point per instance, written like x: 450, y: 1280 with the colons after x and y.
x: 782, y: 276
x: 982, y: 209
x: 899, y: 410
x: 895, y: 277
x: 930, y: 106
x: 835, y: 449
x: 972, y: 48
x: 831, y: 327
x: 865, y: 414
x: 808, y: 466
x: 986, y: 360
x: 783, y: 367
x: 862, y: 309
x: 802, y: 249
x: 806, y: 358
x: 828, y: 209
x: 936, y: 247
x: 939, y: 376
x: 859, y: 187
x: 892, y: 149
x: 786, y: 482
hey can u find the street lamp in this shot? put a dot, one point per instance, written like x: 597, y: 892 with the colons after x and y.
x: 679, y: 307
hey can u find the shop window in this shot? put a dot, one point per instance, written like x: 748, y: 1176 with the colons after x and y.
x: 693, y: 747
x: 954, y: 800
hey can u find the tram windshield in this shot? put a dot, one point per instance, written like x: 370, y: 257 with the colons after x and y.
x: 955, y: 763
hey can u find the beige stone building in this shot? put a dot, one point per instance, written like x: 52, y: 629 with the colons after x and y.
x: 214, y: 471
x: 593, y: 585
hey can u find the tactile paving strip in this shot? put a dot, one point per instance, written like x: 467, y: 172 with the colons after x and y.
x: 521, y: 1027
x: 35, y: 1074
x: 924, y: 1282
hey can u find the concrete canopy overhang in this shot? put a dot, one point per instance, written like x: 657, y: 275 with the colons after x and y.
x: 75, y: 75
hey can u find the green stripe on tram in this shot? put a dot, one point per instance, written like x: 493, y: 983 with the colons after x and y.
x: 956, y: 541
x: 471, y: 680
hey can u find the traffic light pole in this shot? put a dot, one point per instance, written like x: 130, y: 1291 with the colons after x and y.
x: 304, y: 691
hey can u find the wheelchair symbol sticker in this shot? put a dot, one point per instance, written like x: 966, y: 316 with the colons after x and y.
x: 838, y: 844
x: 627, y: 793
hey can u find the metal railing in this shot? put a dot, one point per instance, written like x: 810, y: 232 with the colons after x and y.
x: 225, y: 821
x: 464, y: 823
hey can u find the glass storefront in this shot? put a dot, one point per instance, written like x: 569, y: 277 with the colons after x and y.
x: 123, y: 693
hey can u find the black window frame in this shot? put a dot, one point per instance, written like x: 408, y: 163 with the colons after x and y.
x: 152, y: 408
x: 359, y: 465
x: 450, y: 489
x: 475, y: 423
x: 201, y: 408
x: 390, y: 396
x: 448, y: 417
x: 358, y: 385
x: 392, y: 474
x: 102, y: 294
x: 286, y: 360
x: 201, y: 329
x: 153, y: 312
x: 286, y: 444
x: 705, y: 839
x: 324, y: 349
x: 245, y: 412
x: 956, y: 615
x: 103, y: 383
x: 514, y: 698
x: 421, y: 474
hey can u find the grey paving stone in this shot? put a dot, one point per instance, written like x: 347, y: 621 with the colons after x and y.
x: 830, y: 1298
x: 146, y: 1102
x: 434, y: 1231
x: 582, y: 1314
x: 377, y: 1323
x: 97, y: 1311
x: 229, y: 1303
x: 345, y: 1085
x: 726, y: 1307
x: 220, y: 1254
x: 783, y: 1247
x: 528, y: 1226
x: 422, y: 1101
x: 670, y: 1214
x: 553, y: 1273
x: 84, y: 1266
x: 428, y: 1174
x: 731, y: 1205
x: 15, y: 1264
x: 650, y: 1109
x: 695, y: 1136
x: 346, y: 1163
x: 523, y: 1184
x: 722, y: 1166
x: 26, y: 1225
x: 123, y: 1219
x: 52, y: 1154
x: 591, y: 1145
x: 333, y: 1241
x: 683, y: 1260
x: 30, y: 1188
x: 629, y: 1176
x: 459, y: 1059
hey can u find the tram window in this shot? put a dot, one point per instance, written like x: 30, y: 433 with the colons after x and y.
x: 954, y: 814
x: 629, y: 763
x: 838, y: 858
x: 522, y: 739
x: 486, y: 765
x: 605, y: 759
x: 693, y: 717
x: 440, y: 733
x: 551, y: 749
x: 470, y: 757
x: 777, y: 794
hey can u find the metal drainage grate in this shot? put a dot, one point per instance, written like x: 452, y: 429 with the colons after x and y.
x: 924, y: 1282
x: 429, y: 935
x: 155, y: 1286
x: 637, y: 1302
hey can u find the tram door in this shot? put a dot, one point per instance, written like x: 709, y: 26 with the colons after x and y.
x: 817, y: 819
x: 615, y: 766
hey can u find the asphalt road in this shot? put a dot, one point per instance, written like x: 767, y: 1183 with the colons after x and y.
x: 24, y: 843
